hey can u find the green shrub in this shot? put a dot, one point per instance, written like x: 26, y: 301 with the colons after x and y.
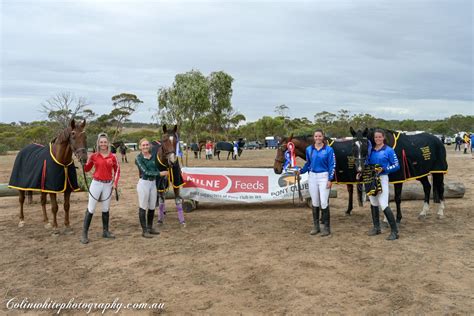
x: 81, y: 183
x: 3, y: 149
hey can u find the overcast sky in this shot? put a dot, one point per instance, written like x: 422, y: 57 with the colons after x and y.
x: 393, y: 59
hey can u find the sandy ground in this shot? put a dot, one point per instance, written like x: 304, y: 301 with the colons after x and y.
x: 241, y: 259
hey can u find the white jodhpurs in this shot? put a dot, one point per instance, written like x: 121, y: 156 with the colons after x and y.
x: 147, y: 194
x: 381, y: 199
x: 318, y: 189
x: 100, y: 191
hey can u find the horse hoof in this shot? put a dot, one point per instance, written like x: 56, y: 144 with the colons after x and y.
x: 68, y: 231
x: 421, y: 217
x: 55, y: 233
x: 47, y: 226
x: 21, y: 224
x: 348, y: 213
x: 440, y: 216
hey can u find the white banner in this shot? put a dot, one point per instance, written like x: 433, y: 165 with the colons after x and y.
x: 248, y: 185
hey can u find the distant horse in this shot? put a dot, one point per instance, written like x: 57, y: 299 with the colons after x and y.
x: 419, y: 155
x: 197, y: 148
x: 345, y: 171
x: 167, y: 160
x: 50, y: 169
x: 120, y: 146
x: 226, y: 146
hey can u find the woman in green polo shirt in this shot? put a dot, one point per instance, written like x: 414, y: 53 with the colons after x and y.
x: 146, y: 188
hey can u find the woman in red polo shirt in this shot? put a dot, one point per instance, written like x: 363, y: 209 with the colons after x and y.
x: 105, y: 179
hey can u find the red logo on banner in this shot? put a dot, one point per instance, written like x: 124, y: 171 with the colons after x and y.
x: 251, y: 184
x: 205, y: 181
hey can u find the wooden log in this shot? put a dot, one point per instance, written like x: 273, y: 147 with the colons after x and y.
x: 6, y: 191
x: 414, y: 191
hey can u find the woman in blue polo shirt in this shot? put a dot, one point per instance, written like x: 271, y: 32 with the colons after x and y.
x: 321, y: 165
x: 384, y: 158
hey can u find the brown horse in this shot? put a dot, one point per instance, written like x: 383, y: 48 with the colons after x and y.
x: 167, y: 160
x: 70, y: 140
x: 343, y: 152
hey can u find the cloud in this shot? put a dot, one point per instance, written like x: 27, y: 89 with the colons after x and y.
x: 377, y: 56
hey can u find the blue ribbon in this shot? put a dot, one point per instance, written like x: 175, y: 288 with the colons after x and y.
x: 179, y: 153
x: 287, y: 160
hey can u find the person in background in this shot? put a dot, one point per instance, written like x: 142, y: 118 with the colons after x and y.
x: 209, y: 149
x: 467, y: 142
x: 105, y: 180
x: 458, y: 141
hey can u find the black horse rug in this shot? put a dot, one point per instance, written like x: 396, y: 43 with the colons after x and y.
x: 419, y: 155
x: 36, y: 169
x: 175, y: 178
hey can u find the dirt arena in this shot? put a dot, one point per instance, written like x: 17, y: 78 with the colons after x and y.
x: 246, y: 259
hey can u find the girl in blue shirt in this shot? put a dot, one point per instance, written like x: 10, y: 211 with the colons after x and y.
x: 386, y: 162
x: 321, y: 165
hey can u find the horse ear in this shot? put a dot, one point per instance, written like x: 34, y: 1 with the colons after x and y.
x: 175, y: 129
x: 353, y: 133
x: 73, y: 124
x: 83, y: 123
x: 290, y: 138
x: 164, y: 128
x: 366, y: 132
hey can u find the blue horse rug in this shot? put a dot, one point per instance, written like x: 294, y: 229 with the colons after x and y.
x: 36, y: 169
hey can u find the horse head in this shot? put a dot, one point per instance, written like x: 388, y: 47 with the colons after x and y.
x: 169, y: 142
x: 280, y: 155
x: 75, y: 136
x: 360, y: 148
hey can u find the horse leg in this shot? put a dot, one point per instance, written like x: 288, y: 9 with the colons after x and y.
x: 426, y: 204
x: 438, y: 187
x: 350, y: 190
x: 46, y: 223
x: 229, y: 155
x: 398, y: 200
x: 161, y: 208
x: 54, y: 209
x: 360, y: 197
x: 179, y: 207
x: 218, y: 154
x: 67, y: 196
x: 22, y: 200
x: 30, y: 197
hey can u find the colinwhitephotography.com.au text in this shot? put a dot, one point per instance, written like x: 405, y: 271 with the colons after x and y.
x: 116, y: 306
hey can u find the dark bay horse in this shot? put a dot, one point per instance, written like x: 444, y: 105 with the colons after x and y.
x: 419, y: 156
x: 167, y: 160
x: 345, y: 171
x: 50, y: 169
x: 226, y: 146
x: 197, y: 148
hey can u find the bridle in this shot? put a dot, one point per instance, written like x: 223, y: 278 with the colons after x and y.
x: 282, y: 148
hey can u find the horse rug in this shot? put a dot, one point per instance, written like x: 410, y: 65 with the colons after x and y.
x: 419, y: 155
x: 175, y: 178
x: 36, y: 169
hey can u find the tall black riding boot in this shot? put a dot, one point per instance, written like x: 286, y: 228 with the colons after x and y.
x: 391, y: 221
x: 142, y: 217
x: 149, y: 222
x: 375, y: 220
x: 316, y: 229
x: 105, y: 225
x: 85, y: 227
x: 327, y: 222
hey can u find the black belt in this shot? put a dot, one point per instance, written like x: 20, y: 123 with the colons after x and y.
x: 148, y: 178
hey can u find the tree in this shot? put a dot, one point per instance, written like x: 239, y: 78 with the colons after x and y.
x: 124, y: 105
x: 220, y: 94
x: 64, y: 107
x: 185, y: 103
